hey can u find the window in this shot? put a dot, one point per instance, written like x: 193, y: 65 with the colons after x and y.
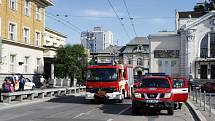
x: 55, y: 44
x: 27, y: 8
x: 139, y: 61
x: 212, y: 45
x: 12, y: 31
x: 204, y: 51
x: 26, y: 35
x: 26, y: 65
x: 13, y: 4
x: 38, y: 13
x: 129, y: 60
x: 38, y: 64
x: 12, y: 63
x: 47, y: 42
x: 37, y: 38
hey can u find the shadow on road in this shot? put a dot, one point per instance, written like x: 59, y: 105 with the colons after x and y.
x: 108, y: 107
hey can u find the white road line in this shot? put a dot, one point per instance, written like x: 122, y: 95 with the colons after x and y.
x: 85, y: 113
x: 110, y: 119
x: 124, y: 110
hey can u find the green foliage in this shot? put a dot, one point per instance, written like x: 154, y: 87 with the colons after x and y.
x: 71, y: 62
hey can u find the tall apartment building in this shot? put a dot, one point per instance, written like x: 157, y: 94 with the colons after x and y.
x: 22, y: 25
x: 97, y: 39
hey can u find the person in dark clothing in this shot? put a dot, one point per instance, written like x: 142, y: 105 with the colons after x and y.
x: 21, y: 83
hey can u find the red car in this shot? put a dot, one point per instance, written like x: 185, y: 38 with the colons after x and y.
x: 154, y: 93
x: 180, y: 91
x: 208, y: 87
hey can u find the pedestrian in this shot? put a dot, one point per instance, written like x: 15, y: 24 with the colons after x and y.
x: 7, y: 86
x: 21, y: 83
x: 43, y: 82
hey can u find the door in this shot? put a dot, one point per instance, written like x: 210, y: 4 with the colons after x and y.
x: 180, y: 89
x: 204, y: 72
x: 212, y: 71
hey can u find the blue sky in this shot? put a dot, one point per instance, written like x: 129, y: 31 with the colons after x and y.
x: 150, y: 16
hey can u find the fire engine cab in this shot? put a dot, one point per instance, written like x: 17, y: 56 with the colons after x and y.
x: 160, y: 92
x: 108, y: 82
x: 154, y: 93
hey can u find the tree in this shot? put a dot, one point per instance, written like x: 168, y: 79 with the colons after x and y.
x: 70, y: 62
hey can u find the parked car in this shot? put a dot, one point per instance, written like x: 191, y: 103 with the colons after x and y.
x: 195, y: 85
x: 29, y: 84
x: 208, y: 87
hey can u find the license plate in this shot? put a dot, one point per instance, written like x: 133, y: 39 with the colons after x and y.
x: 101, y: 92
x: 151, y: 101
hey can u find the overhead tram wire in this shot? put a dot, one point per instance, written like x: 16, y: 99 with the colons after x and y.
x: 120, y: 20
x: 53, y: 18
x: 65, y: 24
x: 130, y: 18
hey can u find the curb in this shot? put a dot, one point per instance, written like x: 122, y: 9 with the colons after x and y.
x: 198, y: 116
x: 18, y: 104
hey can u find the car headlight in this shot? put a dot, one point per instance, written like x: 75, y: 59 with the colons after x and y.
x: 167, y: 95
x: 137, y: 95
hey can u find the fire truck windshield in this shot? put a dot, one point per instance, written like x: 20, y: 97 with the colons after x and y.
x: 155, y: 83
x: 102, y: 74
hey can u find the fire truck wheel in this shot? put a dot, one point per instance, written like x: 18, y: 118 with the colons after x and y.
x: 170, y: 112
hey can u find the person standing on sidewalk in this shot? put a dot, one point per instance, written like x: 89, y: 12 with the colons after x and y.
x: 21, y: 83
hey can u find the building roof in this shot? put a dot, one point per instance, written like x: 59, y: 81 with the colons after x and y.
x: 192, y: 14
x: 55, y: 32
x: 112, y: 49
x: 48, y: 2
x: 139, y: 40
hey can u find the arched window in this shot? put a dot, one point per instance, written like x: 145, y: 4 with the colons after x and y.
x: 204, y: 46
x: 139, y: 61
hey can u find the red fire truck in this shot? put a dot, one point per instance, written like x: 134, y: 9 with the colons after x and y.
x: 108, y: 82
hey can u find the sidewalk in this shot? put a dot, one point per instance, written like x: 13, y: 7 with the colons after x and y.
x: 15, y: 104
x: 198, y: 108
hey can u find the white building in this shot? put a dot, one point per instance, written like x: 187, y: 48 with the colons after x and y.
x: 97, y: 39
x: 52, y: 41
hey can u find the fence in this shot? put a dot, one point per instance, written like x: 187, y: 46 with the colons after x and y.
x: 205, y: 100
x: 32, y: 94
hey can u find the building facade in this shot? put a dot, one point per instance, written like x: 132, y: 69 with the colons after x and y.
x: 52, y: 41
x: 22, y: 25
x: 97, y: 39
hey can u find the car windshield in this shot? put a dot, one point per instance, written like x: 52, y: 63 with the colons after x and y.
x: 155, y: 83
x: 102, y: 74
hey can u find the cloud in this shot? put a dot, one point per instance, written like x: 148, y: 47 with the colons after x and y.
x: 98, y: 13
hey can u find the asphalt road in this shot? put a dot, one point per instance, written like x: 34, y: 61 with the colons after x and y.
x: 72, y: 108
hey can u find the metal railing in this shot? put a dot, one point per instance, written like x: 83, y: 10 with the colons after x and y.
x: 201, y: 97
x: 40, y: 94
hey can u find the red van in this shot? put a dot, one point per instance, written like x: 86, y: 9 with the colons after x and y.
x: 180, y: 91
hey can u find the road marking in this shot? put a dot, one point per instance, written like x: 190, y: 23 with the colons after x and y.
x: 85, y: 113
x: 110, y: 119
x: 124, y: 110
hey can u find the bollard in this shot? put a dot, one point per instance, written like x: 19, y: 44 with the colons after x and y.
x: 200, y: 98
x: 193, y: 95
x: 204, y: 100
x: 196, y: 96
x: 210, y: 105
